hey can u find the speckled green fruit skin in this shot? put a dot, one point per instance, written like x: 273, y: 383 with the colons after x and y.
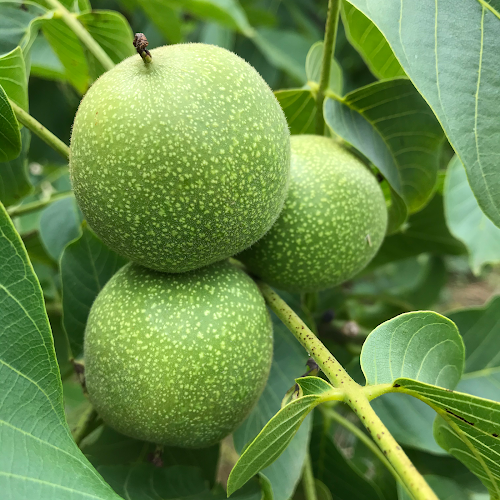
x: 333, y: 222
x: 177, y: 359
x: 182, y: 162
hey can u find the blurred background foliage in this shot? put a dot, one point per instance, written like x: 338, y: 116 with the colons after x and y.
x: 443, y: 256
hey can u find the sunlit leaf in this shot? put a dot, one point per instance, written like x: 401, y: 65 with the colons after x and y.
x: 395, y: 129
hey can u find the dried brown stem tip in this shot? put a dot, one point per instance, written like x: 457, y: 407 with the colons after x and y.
x: 140, y: 44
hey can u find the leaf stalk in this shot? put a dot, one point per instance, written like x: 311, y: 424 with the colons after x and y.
x: 308, y: 480
x: 332, y: 22
x: 37, y: 205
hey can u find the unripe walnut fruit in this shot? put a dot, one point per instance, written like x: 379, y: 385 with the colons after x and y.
x: 183, y: 161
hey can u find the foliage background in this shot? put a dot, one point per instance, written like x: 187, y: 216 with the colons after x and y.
x: 443, y: 256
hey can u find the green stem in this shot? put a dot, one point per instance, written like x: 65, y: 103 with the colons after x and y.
x: 79, y: 30
x: 332, y: 22
x: 330, y: 366
x: 85, y: 425
x: 308, y: 480
x: 356, y: 431
x: 355, y: 395
x: 38, y: 129
x: 37, y: 205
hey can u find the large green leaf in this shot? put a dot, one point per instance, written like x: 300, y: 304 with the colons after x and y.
x: 289, y: 362
x: 469, y: 428
x: 466, y: 220
x: 86, y: 266
x: 450, y: 51
x: 39, y: 458
x: 13, y: 77
x: 480, y: 329
x: 423, y: 346
x: 14, y: 180
x: 392, y: 125
x: 370, y: 43
x: 10, y: 137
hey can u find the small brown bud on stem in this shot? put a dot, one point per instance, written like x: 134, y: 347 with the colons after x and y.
x: 140, y: 44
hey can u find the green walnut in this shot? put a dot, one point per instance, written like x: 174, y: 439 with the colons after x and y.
x: 183, y: 161
x: 177, y: 359
x: 333, y: 222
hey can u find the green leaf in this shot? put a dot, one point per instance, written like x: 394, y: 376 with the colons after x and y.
x: 69, y: 51
x: 39, y: 458
x: 468, y: 429
x: 423, y: 346
x: 449, y: 50
x: 286, y: 50
x: 425, y: 232
x: 299, y: 107
x: 164, y: 17
x: 13, y: 77
x: 366, y: 38
x: 107, y: 447
x: 44, y: 61
x: 444, y: 487
x: 112, y: 32
x: 480, y: 329
x: 145, y: 481
x: 15, y: 22
x: 313, y: 385
x: 14, y: 180
x: 466, y: 220
x: 313, y: 70
x: 289, y: 362
x: 10, y: 137
x: 86, y: 266
x: 59, y: 224
x: 215, y: 34
x: 227, y: 12
x: 271, y: 441
x: 338, y: 473
x: 395, y: 129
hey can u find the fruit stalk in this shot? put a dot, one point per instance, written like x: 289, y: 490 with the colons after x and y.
x: 308, y: 480
x: 332, y: 22
x: 355, y: 395
x: 79, y: 30
x: 38, y: 129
